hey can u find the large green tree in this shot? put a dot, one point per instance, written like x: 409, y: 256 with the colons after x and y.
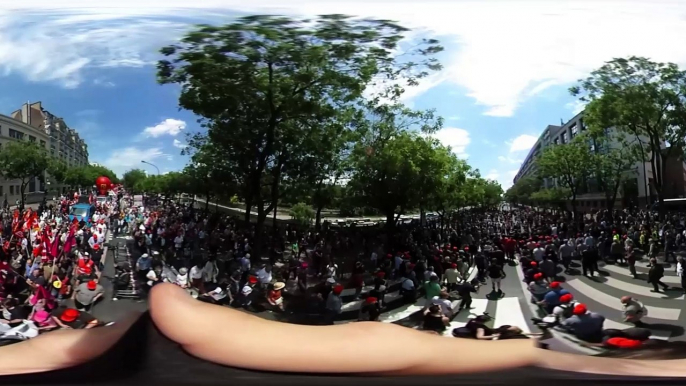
x: 23, y: 161
x: 523, y: 189
x: 613, y: 160
x: 569, y: 165
x: 447, y: 193
x: 259, y: 83
x: 646, y: 100
x: 134, y: 179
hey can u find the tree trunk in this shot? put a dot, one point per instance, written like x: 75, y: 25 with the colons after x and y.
x: 207, y: 202
x: 248, y: 209
x: 318, y: 218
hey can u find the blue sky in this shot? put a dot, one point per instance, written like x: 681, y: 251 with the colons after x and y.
x: 508, y: 64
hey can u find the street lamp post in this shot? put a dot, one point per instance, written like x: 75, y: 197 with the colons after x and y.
x: 148, y: 163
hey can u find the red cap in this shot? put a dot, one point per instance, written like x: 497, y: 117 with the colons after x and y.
x: 466, y: 248
x: 538, y: 276
x: 453, y: 265
x: 566, y: 298
x: 371, y: 300
x: 69, y: 315
x: 380, y: 274
x: 555, y: 284
x: 534, y: 264
x: 252, y: 280
x: 580, y: 309
x: 538, y: 245
x: 338, y: 289
x: 454, y: 248
x: 96, y: 247
x: 623, y: 342
x: 92, y: 285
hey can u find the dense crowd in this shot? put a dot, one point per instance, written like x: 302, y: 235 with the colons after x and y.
x: 50, y: 267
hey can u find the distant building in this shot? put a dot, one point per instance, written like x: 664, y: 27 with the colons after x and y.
x: 61, y: 141
x: 638, y: 190
x: 65, y: 142
x: 13, y: 130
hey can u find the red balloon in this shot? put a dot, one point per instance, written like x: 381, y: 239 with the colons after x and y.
x: 103, y: 184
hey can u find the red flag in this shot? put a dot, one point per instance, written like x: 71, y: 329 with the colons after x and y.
x: 70, y: 242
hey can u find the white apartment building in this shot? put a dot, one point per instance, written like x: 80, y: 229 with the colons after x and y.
x: 58, y: 138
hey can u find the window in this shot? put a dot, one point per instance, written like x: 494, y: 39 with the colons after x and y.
x: 12, y: 190
x: 42, y: 143
x: 574, y: 129
x: 564, y: 138
x: 557, y: 141
x: 16, y: 134
x: 2, y: 190
x: 32, y: 138
x: 582, y: 125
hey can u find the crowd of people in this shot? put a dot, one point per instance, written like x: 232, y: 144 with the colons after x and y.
x: 622, y: 238
x: 50, y: 267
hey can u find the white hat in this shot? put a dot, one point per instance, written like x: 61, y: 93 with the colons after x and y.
x: 247, y: 290
x: 331, y: 280
x: 144, y: 255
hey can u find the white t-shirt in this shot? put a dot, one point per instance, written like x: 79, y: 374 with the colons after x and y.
x: 196, y: 273
x: 182, y: 280
x: 445, y: 304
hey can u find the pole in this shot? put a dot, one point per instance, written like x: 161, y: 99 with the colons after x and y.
x: 153, y: 165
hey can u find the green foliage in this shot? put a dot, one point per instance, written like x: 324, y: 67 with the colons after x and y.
x: 22, y: 161
x: 644, y: 99
x: 133, y: 179
x: 302, y: 213
x: 277, y: 96
x: 521, y: 192
x: 81, y: 176
x: 570, y: 165
x: 57, y: 170
x: 551, y: 196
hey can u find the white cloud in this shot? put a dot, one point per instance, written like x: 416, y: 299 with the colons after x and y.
x: 492, y: 175
x: 457, y: 139
x: 179, y: 144
x: 122, y: 160
x: 509, y: 160
x: 167, y: 127
x: 501, y: 52
x: 577, y: 106
x: 522, y: 143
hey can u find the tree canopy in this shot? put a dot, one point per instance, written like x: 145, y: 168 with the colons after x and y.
x: 644, y: 99
x: 308, y: 113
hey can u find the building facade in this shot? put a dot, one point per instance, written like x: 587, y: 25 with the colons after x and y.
x: 637, y: 190
x: 61, y: 141
x: 65, y: 142
x: 13, y: 130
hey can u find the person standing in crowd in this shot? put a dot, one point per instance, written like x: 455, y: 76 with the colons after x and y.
x: 87, y: 294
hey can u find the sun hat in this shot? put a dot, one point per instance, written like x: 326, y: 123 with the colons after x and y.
x: 279, y: 286
x: 57, y: 284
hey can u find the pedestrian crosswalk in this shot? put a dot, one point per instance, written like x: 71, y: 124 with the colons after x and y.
x: 603, y: 292
x: 504, y: 311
